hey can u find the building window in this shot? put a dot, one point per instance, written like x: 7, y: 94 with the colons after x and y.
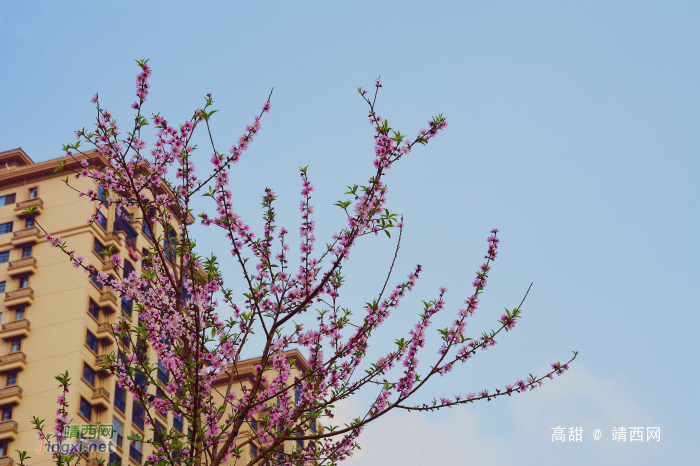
x: 27, y: 251
x: 95, y: 281
x: 19, y: 313
x: 7, y: 413
x: 29, y: 222
x: 85, y: 409
x: 254, y: 424
x: 5, y: 228
x: 160, y: 394
x: 2, y: 287
x: 4, y: 256
x: 3, y: 448
x: 98, y: 247
x: 144, y: 227
x: 177, y: 423
x: 158, y: 433
x: 280, y: 453
x: 138, y: 416
x: 169, y: 242
x: 253, y: 450
x: 135, y: 451
x: 163, y: 374
x: 102, y: 195
x: 23, y: 282
x: 300, y: 444
x: 115, y: 459
x: 94, y: 310
x: 128, y: 269
x: 140, y: 380
x: 297, y: 392
x: 92, y: 342
x: 313, y: 425
x: 16, y: 344
x: 144, y: 258
x: 120, y: 398
x: 127, y: 305
x: 118, y: 431
x: 88, y: 374
x: 7, y: 199
x: 12, y: 378
x: 102, y: 219
x: 141, y: 350
x: 33, y: 192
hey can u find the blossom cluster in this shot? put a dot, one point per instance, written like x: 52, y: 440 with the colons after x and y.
x: 177, y: 295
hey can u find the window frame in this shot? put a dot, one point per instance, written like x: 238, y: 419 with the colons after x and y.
x: 83, y: 402
x: 24, y: 279
x: 16, y: 342
x: 96, y: 306
x: 91, y: 372
x: 137, y: 420
x: 97, y: 342
x: 114, y: 454
x: 178, y: 421
x: 4, y: 226
x: 136, y: 446
x: 119, y: 395
x: 119, y: 432
x: 8, y: 199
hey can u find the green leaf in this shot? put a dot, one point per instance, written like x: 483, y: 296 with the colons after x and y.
x: 61, y: 166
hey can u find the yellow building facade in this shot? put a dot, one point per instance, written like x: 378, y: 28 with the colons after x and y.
x: 54, y: 318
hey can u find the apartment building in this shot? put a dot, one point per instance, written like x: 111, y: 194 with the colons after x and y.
x: 245, y: 377
x: 54, y: 318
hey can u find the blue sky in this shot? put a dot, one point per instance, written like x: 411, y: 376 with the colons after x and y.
x: 573, y: 128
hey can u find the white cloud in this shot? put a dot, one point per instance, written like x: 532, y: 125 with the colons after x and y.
x: 578, y: 398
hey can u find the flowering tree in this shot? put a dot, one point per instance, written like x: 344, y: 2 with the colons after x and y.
x: 175, y: 295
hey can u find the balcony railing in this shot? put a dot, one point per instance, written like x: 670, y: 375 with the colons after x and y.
x: 26, y: 232
x: 113, y: 235
x: 6, y: 461
x: 16, y: 324
x: 13, y: 390
x: 13, y: 357
x: 21, y: 292
x: 101, y: 359
x: 100, y: 392
x: 22, y: 262
x: 8, y: 425
x: 129, y: 217
x: 108, y: 296
x: 30, y: 203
